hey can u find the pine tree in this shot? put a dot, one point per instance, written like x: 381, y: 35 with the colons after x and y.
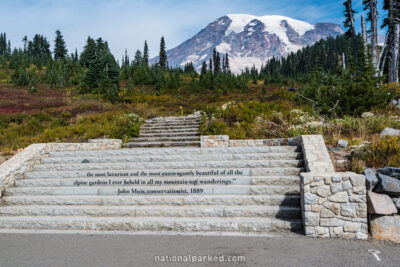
x: 349, y: 19
x: 163, y: 55
x: 146, y: 54
x: 89, y: 52
x: 138, y: 60
x: 60, y: 51
x: 203, y: 70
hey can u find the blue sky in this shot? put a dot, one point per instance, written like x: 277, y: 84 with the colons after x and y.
x: 127, y: 23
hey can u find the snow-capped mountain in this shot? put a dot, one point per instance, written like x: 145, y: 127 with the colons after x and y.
x: 250, y: 40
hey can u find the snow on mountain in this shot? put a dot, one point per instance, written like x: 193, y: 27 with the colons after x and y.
x: 250, y: 40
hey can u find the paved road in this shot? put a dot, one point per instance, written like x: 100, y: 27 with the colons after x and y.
x: 140, y: 250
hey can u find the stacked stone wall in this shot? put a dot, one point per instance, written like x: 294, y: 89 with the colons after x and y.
x: 334, y: 205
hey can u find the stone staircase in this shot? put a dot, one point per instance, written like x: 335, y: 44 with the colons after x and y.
x: 169, y: 132
x: 241, y: 190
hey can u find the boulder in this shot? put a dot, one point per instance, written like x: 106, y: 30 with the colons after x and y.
x: 371, y: 178
x: 396, y: 202
x: 342, y: 143
x: 380, y: 204
x: 390, y: 131
x: 386, y: 227
x: 390, y: 171
x: 388, y: 185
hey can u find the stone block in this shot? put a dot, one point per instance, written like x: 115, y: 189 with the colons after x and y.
x: 358, y: 199
x: 359, y: 190
x: 311, y: 219
x: 347, y: 185
x: 322, y: 230
x: 333, y: 207
x: 336, y: 231
x: 328, y: 180
x: 326, y: 213
x: 371, y: 178
x: 324, y: 191
x: 348, y: 210
x: 357, y: 180
x: 386, y: 227
x: 336, y: 188
x: 351, y: 227
x: 310, y: 199
x: 322, y: 200
x: 331, y: 222
x: 361, y: 210
x: 361, y: 236
x: 309, y: 231
x: 337, y: 179
x: 380, y: 204
x: 388, y: 185
x: 316, y: 208
x: 340, y: 197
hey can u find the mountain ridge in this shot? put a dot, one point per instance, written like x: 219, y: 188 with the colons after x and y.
x: 249, y: 40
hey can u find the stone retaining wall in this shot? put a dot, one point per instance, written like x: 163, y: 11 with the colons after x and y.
x: 15, y: 167
x: 223, y: 141
x: 334, y: 205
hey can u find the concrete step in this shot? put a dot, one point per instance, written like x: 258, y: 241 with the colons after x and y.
x: 222, y: 180
x: 164, y: 144
x: 169, y: 131
x: 171, y: 165
x: 166, y: 200
x: 168, y: 134
x: 175, y: 151
x: 156, y: 190
x: 174, y: 119
x: 172, y: 173
x: 205, y: 224
x: 171, y: 123
x: 158, y: 126
x: 171, y: 158
x: 282, y: 212
x: 165, y: 138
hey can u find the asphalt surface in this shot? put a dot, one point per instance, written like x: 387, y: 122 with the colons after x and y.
x: 140, y: 250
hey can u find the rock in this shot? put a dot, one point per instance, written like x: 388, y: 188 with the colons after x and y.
x: 348, y: 210
x: 380, y: 204
x: 372, y: 180
x: 342, y: 143
x: 310, y: 199
x: 394, y: 102
x: 388, y: 185
x: 324, y: 191
x: 340, y: 197
x: 367, y: 115
x: 390, y: 131
x: 386, y: 228
x: 396, y: 202
x: 390, y: 171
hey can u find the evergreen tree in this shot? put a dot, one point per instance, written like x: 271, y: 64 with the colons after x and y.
x: 203, y: 69
x: 163, y: 55
x: 146, y: 54
x: 89, y: 52
x: 60, y: 51
x: 349, y: 19
x: 138, y: 60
